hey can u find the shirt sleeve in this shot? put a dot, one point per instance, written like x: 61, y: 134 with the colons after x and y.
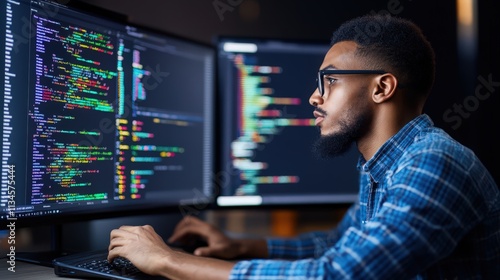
x: 313, y: 244
x: 432, y: 205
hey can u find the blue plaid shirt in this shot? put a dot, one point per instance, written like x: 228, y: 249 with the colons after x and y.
x: 428, y: 209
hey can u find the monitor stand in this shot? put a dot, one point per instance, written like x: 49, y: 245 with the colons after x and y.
x: 56, y: 240
x: 45, y: 257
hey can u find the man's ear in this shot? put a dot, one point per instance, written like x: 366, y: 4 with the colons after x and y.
x: 386, y: 85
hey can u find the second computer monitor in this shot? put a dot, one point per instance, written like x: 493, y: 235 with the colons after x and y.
x: 268, y: 128
x: 101, y: 118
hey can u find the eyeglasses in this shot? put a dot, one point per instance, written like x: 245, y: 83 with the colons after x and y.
x: 322, y: 73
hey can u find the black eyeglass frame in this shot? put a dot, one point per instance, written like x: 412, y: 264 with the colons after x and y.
x: 322, y: 73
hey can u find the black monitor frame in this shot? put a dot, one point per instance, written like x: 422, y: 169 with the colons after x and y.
x: 224, y: 180
x: 191, y: 204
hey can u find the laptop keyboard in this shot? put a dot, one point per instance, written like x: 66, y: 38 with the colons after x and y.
x: 119, y: 266
x: 96, y: 265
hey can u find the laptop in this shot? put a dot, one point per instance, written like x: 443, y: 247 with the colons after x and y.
x: 94, y: 264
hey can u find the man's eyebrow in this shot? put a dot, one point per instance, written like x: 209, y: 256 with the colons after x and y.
x: 329, y: 67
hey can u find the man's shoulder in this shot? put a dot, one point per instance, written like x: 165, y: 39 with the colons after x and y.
x: 420, y: 137
x: 433, y: 151
x: 436, y: 141
x: 436, y: 152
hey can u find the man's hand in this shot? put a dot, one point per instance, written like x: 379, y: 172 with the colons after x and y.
x: 149, y: 253
x: 141, y: 245
x: 218, y: 244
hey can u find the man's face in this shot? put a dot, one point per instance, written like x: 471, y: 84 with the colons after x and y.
x: 344, y: 113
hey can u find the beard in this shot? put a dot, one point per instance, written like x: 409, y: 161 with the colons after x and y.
x: 337, y: 143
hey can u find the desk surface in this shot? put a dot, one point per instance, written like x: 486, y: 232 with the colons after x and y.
x: 27, y: 271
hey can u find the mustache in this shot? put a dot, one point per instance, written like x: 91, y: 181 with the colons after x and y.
x: 321, y: 111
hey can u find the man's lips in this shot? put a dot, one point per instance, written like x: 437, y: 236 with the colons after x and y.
x: 319, y: 117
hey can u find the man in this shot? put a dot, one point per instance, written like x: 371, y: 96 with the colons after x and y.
x: 427, y: 209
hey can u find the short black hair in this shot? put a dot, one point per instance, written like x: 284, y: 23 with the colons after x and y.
x: 394, y: 44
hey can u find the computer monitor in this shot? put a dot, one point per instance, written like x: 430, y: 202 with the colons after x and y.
x: 101, y: 118
x: 268, y: 127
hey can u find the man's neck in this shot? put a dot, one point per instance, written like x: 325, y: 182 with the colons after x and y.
x: 384, y: 126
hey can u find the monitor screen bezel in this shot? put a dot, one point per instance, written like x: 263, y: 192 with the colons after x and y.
x: 220, y: 182
x: 188, y: 206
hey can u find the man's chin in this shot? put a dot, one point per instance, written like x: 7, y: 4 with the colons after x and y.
x: 331, y: 146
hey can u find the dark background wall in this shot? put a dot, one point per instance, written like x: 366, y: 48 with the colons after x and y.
x: 459, y: 73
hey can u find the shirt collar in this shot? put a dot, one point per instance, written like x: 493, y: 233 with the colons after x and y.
x: 391, y: 150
